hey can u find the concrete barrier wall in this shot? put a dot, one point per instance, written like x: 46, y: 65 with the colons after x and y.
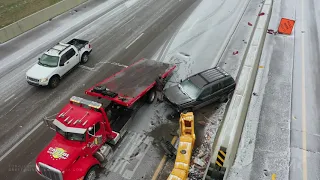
x: 32, y: 21
x: 231, y: 128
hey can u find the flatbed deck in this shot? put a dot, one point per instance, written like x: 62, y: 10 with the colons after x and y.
x: 131, y: 83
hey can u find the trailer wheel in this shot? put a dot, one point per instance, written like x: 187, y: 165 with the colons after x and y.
x: 151, y: 96
x: 92, y: 174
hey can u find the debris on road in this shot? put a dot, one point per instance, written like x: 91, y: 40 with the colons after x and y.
x: 249, y: 24
x: 235, y: 52
x: 271, y: 31
x: 199, y: 162
x: 202, y: 154
x: 202, y: 123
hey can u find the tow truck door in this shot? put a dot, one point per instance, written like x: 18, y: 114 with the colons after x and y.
x: 94, y: 142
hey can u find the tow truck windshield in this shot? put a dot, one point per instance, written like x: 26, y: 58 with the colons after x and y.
x: 71, y: 136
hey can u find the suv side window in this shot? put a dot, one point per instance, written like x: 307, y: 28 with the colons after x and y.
x: 69, y: 54
x: 95, y: 129
x: 63, y: 59
x: 227, y: 82
x: 206, y: 92
x: 216, y: 87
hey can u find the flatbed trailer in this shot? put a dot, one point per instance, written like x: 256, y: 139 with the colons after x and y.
x: 131, y: 83
x: 126, y: 90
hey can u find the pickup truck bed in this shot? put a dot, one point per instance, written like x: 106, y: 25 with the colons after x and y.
x: 78, y: 43
x: 131, y: 83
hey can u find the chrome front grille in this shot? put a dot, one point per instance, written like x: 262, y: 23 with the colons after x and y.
x: 50, y: 172
x: 32, y: 79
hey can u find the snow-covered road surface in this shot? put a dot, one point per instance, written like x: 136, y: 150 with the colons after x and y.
x: 281, y: 135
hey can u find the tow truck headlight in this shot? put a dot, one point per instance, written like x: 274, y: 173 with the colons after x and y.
x: 37, y: 167
x: 44, y: 80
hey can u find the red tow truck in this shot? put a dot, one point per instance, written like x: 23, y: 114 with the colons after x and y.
x: 85, y: 129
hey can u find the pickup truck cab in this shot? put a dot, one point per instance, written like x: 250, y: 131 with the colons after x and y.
x: 57, y: 62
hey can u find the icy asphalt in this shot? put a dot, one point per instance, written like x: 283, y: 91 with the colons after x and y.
x: 281, y: 134
x: 112, y: 26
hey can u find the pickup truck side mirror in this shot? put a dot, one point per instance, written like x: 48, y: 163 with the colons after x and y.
x: 180, y: 80
x: 61, y: 64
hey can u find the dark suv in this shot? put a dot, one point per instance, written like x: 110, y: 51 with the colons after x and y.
x: 200, y: 90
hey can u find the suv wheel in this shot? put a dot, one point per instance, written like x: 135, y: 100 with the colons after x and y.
x: 54, y: 82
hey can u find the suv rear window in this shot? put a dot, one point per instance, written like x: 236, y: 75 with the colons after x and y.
x: 228, y: 81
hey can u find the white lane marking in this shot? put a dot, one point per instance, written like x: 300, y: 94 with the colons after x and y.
x: 128, y: 21
x: 118, y: 157
x: 9, y: 98
x: 135, y: 40
x: 21, y: 140
x: 87, y: 68
x: 12, y: 108
x: 128, y: 173
x: 193, y: 24
x: 116, y: 64
x: 124, y: 165
x: 134, y: 144
x: 129, y: 3
x: 303, y: 91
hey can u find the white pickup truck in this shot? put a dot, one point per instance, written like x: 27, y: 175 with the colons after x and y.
x: 57, y: 62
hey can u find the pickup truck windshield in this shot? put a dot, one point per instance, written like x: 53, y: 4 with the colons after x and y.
x: 71, y: 136
x: 48, y: 61
x: 190, y: 89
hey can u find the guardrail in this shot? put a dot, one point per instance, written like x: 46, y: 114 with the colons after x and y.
x: 231, y: 129
x: 32, y: 21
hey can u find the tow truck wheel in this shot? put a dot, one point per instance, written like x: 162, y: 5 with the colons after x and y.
x: 151, y: 96
x: 91, y: 175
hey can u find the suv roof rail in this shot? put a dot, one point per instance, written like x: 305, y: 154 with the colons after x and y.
x: 213, y: 74
x: 60, y: 50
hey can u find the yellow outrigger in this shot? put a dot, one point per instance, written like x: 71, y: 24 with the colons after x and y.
x: 186, y: 144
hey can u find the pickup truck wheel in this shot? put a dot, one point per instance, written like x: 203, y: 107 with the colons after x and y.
x: 54, y: 82
x: 85, y: 58
x: 92, y: 174
x: 151, y: 96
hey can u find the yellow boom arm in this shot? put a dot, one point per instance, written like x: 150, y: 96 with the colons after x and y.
x: 186, y: 144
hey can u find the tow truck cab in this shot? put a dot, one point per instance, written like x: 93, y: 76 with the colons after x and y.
x: 82, y: 130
